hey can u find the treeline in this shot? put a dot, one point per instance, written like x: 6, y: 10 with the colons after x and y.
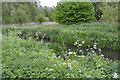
x: 24, y: 12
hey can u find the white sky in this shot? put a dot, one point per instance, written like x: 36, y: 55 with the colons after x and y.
x: 49, y: 3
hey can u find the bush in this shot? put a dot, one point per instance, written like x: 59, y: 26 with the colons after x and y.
x: 73, y: 12
x: 40, y: 18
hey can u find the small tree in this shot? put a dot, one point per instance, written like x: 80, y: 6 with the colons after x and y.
x: 73, y: 12
x: 40, y: 18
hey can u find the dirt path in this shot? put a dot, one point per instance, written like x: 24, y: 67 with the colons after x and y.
x: 49, y: 23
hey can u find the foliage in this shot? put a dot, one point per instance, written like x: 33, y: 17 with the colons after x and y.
x: 46, y: 11
x: 40, y: 18
x: 50, y: 15
x: 105, y: 35
x: 73, y: 12
x: 19, y: 15
x: 18, y: 12
x: 32, y: 59
x: 98, y: 11
x: 110, y: 12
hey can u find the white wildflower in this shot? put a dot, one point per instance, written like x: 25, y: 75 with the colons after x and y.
x: 70, y: 52
x: 53, y: 77
x: 81, y: 56
x: 20, y: 32
x: 80, y: 44
x: 51, y: 69
x: 68, y: 49
x: 95, y: 43
x: 99, y: 65
x: 115, y: 75
x: 80, y: 71
x: 64, y: 63
x: 69, y: 65
x: 20, y: 53
x: 95, y: 47
x: 102, y: 55
x: 83, y: 42
x: 87, y: 49
x: 75, y: 43
x: 30, y: 37
x: 74, y: 52
x: 80, y: 50
x: 93, y: 51
x: 69, y: 60
x: 46, y: 68
x: 91, y: 48
x: 54, y: 65
x: 65, y: 54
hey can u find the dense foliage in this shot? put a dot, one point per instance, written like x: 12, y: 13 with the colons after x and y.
x: 104, y: 34
x: 98, y: 11
x: 32, y: 59
x: 19, y: 12
x: 110, y: 12
x: 73, y: 12
x: 40, y: 18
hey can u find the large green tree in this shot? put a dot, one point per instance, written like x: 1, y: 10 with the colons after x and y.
x: 73, y: 12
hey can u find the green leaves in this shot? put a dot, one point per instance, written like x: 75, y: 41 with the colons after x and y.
x: 31, y: 59
x: 73, y: 12
x: 40, y: 18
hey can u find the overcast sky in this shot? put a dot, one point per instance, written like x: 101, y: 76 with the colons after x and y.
x: 49, y: 3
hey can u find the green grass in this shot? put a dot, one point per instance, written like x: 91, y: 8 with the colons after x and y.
x: 34, y: 59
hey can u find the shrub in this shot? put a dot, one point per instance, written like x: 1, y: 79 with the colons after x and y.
x: 40, y: 18
x: 73, y: 12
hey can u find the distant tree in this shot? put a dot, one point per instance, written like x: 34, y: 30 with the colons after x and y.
x: 98, y: 11
x: 46, y: 11
x: 20, y: 12
x: 50, y: 13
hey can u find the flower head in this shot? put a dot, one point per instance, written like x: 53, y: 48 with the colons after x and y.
x: 80, y: 44
x: 51, y: 69
x: 75, y: 43
x: 54, y: 65
x: 115, y: 75
x: 83, y: 42
x: 69, y: 65
x: 70, y: 52
x: 80, y: 71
